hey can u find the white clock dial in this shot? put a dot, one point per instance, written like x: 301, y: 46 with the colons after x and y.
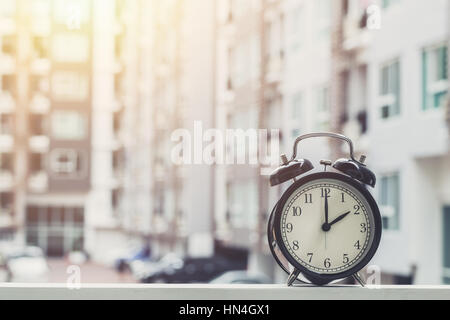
x: 327, y: 226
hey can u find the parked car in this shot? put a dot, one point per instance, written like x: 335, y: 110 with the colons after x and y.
x: 143, y: 254
x: 142, y: 270
x: 241, y: 277
x: 194, y: 270
x: 27, y: 265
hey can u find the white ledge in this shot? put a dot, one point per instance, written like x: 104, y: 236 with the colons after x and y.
x: 218, y: 292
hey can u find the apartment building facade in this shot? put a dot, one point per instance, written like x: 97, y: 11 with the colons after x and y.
x: 394, y: 82
x: 46, y: 81
x: 273, y: 72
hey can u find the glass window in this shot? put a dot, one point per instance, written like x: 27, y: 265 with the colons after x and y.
x: 434, y: 77
x: 388, y: 3
x: 70, y: 86
x: 390, y: 201
x: 68, y: 125
x: 66, y: 162
x: 390, y: 90
x: 446, y: 245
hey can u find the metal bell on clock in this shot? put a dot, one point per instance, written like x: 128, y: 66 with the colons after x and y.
x: 290, y: 171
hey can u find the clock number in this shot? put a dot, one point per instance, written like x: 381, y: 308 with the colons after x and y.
x: 357, y: 208
x: 363, y: 228
x: 308, y: 198
x: 289, y: 227
x: 326, y: 192
x: 358, y: 245
x: 327, y: 263
x: 295, y: 245
x: 345, y: 259
x: 297, y: 211
x: 310, y: 255
x: 343, y: 197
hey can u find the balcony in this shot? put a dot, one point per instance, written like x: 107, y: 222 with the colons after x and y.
x: 6, y: 219
x: 7, y: 103
x: 40, y: 66
x: 7, y: 64
x: 6, y: 143
x: 39, y: 144
x: 40, y: 104
x: 38, y: 182
x: 6, y: 180
x: 356, y: 36
x: 185, y: 292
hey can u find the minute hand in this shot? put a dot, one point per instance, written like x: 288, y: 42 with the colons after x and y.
x: 339, y: 218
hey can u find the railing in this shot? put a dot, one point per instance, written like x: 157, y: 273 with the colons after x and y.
x: 219, y: 292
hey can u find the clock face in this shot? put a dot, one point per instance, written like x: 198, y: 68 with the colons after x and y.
x: 327, y: 226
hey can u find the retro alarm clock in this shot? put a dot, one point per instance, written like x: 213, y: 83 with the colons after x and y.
x: 326, y: 226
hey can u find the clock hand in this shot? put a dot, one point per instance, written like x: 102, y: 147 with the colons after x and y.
x: 326, y: 209
x: 327, y: 226
x: 342, y: 216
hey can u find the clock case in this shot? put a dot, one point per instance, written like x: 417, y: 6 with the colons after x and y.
x: 354, y: 173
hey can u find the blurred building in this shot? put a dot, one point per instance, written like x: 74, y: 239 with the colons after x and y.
x: 394, y: 84
x: 46, y: 122
x: 273, y: 72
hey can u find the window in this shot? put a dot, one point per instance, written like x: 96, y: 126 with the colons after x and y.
x: 67, y: 162
x: 322, y: 99
x: 70, y: 86
x: 37, y: 125
x: 37, y: 162
x: 8, y: 45
x: 68, y: 125
x: 70, y: 48
x: 8, y: 83
x: 6, y: 161
x: 434, y: 77
x: 6, y: 200
x: 390, y: 90
x: 390, y: 201
x: 6, y: 124
x: 388, y: 3
x: 323, y: 20
x: 41, y: 47
x: 56, y: 230
x: 446, y: 244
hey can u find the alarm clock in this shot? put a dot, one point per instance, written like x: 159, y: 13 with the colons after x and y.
x: 326, y: 226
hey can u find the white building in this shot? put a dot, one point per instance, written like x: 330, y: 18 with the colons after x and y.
x: 409, y: 142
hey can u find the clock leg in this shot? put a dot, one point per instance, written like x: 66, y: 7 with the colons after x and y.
x: 292, y: 277
x: 358, y: 279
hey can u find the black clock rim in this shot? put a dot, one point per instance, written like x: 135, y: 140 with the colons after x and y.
x: 317, y: 278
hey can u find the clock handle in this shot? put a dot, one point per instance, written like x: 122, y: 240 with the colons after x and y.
x: 327, y: 135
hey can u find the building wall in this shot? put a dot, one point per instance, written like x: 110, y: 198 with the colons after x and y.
x: 415, y: 143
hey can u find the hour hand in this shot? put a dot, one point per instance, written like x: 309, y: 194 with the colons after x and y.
x: 342, y: 216
x: 327, y: 226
